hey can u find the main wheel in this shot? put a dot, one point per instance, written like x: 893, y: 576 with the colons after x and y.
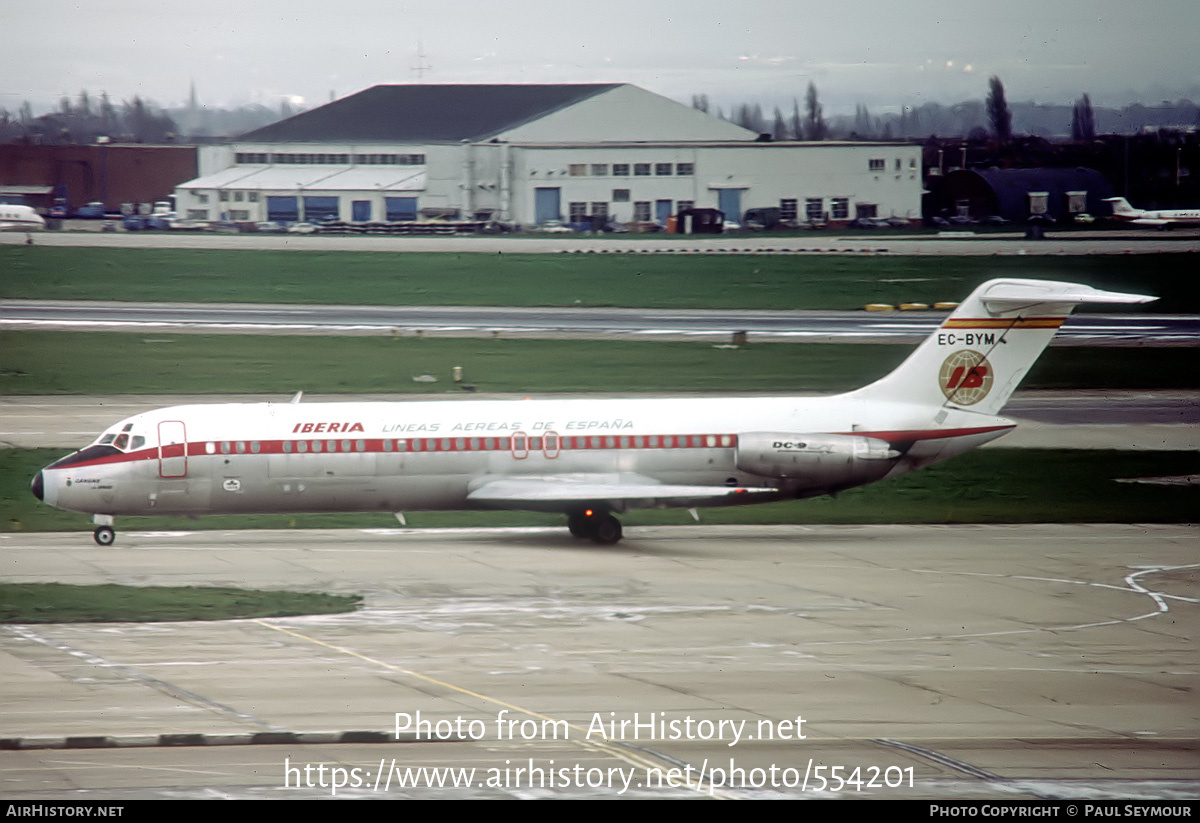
x: 577, y: 525
x: 104, y: 535
x: 606, y: 529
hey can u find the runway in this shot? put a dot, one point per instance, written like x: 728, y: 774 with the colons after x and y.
x: 1009, y: 662
x: 587, y: 324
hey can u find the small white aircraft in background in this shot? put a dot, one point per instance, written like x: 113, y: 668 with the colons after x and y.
x: 1160, y: 219
x: 585, y: 458
x: 20, y: 218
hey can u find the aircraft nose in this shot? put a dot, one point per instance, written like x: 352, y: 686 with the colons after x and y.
x: 38, y: 486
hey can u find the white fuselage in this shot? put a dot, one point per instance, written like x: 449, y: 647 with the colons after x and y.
x: 397, y: 456
x: 586, y: 458
x: 20, y: 218
x: 1157, y: 218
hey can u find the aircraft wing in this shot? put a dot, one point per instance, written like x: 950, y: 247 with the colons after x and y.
x: 559, y: 492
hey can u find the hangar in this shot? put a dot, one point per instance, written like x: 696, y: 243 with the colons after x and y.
x: 530, y: 154
x: 1020, y: 194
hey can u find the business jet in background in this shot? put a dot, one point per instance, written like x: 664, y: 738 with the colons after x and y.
x: 20, y: 218
x: 1161, y: 219
x: 586, y: 458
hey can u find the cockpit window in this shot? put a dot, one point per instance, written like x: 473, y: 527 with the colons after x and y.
x: 122, y: 440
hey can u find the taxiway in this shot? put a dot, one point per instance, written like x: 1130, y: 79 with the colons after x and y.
x: 1007, y: 662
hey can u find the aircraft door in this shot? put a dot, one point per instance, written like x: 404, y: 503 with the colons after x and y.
x: 172, y: 449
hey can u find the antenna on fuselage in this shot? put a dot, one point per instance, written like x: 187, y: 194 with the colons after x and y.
x: 297, y: 397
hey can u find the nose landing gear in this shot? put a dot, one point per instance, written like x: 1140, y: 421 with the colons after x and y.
x: 595, y: 524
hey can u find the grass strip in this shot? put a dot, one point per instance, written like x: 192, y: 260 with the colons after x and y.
x: 62, y: 603
x: 48, y: 363
x: 986, y: 486
x: 758, y: 281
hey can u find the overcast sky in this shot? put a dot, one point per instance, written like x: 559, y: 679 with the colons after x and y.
x: 883, y: 54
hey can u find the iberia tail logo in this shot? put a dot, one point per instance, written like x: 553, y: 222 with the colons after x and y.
x: 965, y: 377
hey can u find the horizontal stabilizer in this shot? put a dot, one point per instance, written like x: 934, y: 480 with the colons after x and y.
x: 1005, y: 295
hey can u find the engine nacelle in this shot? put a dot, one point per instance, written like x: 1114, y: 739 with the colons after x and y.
x: 819, y: 461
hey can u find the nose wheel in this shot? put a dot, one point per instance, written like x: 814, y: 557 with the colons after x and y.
x: 104, y: 535
x: 599, y: 526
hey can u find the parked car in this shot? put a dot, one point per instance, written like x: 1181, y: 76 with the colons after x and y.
x: 762, y: 219
x: 92, y: 211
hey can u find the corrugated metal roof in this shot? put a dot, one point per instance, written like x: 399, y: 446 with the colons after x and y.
x: 426, y: 113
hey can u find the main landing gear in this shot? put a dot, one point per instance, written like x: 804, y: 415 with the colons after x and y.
x: 104, y: 534
x: 597, y: 525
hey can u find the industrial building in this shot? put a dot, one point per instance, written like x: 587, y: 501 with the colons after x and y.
x: 112, y: 174
x: 1017, y: 195
x: 532, y: 154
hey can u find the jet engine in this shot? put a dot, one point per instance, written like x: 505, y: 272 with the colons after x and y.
x: 820, y: 462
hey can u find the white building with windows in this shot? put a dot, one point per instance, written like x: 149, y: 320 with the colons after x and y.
x: 529, y: 154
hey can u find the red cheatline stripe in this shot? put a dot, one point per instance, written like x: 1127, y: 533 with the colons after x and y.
x: 1004, y: 323
x: 421, y: 445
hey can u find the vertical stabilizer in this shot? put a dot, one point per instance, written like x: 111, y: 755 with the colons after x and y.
x: 977, y: 357
x: 1121, y: 207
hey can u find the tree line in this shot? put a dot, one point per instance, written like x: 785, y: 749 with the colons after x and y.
x: 86, y: 117
x: 992, y: 117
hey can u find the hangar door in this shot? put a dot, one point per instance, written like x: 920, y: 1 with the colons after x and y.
x: 282, y: 209
x: 547, y: 205
x: 320, y: 209
x: 401, y: 208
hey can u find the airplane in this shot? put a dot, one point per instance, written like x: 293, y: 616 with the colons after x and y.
x: 586, y: 458
x: 20, y: 218
x: 1161, y: 219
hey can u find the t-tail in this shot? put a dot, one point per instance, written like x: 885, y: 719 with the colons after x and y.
x: 1121, y: 207
x: 979, y: 355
